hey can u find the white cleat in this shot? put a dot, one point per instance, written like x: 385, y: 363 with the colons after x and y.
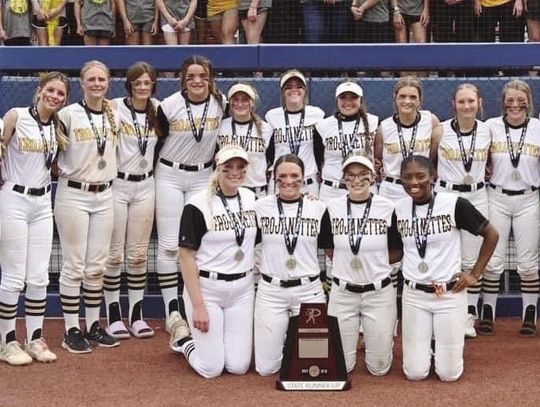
x: 39, y: 350
x: 470, y: 331
x: 13, y: 354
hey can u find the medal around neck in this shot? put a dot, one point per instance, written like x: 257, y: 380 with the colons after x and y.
x: 290, y: 263
x: 143, y: 163
x: 516, y: 176
x: 468, y: 179
x: 102, y: 164
x: 239, y: 255
x: 423, y: 267
x: 355, y: 263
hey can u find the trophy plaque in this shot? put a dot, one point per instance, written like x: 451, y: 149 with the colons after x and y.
x: 313, y: 356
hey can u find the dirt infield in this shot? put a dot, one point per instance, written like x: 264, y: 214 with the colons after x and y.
x: 499, y: 371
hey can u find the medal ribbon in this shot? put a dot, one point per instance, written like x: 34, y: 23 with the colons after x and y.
x: 293, y: 136
x: 420, y: 237
x: 514, y: 157
x: 49, y: 146
x: 101, y: 142
x: 355, y: 243
x: 197, y: 133
x: 346, y: 148
x: 244, y: 140
x: 142, y: 140
x: 467, y: 161
x: 412, y: 143
x: 238, y: 225
x: 291, y: 244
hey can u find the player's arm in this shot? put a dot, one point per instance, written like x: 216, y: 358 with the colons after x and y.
x: 192, y: 229
x: 10, y: 121
x: 436, y: 136
x: 470, y: 219
x: 77, y: 13
x: 395, y: 244
x: 318, y: 149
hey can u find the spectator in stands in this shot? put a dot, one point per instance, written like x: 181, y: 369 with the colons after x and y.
x: 371, y: 21
x: 203, y: 33
x: 410, y: 15
x: 140, y: 19
x: 452, y: 20
x: 326, y: 20
x: 15, y: 28
x: 533, y: 19
x: 177, y: 20
x: 313, y: 17
x: 253, y: 14
x: 95, y: 21
x: 223, y: 18
x: 70, y: 33
x: 49, y: 20
x: 283, y: 22
x: 508, y: 13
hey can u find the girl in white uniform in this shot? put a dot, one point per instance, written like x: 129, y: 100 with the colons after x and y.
x: 30, y: 139
x: 351, y: 129
x: 294, y: 125
x: 190, y: 121
x: 514, y: 203
x: 217, y: 239
x: 405, y: 133
x: 84, y: 208
x: 246, y: 129
x: 290, y: 227
x: 134, y: 201
x: 359, y: 223
x: 461, y: 158
x: 434, y: 300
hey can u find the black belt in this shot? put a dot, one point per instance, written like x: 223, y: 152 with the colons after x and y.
x: 353, y: 288
x: 463, y: 187
x: 511, y: 192
x: 394, y: 180
x: 309, y: 181
x: 135, y: 177
x: 185, y: 166
x: 430, y: 289
x: 89, y: 187
x: 221, y: 276
x: 288, y: 283
x: 21, y: 189
x: 332, y: 184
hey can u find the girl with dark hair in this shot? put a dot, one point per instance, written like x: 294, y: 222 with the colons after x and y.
x: 189, y: 120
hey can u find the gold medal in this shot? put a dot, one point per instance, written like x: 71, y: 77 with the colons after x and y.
x: 239, y: 255
x: 423, y: 267
x: 355, y: 263
x: 291, y: 263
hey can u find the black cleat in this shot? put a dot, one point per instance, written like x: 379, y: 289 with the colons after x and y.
x: 74, y: 342
x: 100, y: 337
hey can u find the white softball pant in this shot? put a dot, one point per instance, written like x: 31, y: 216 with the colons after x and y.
x: 273, y: 307
x: 134, y: 204
x: 26, y: 241
x: 521, y: 213
x: 424, y: 315
x: 85, y: 223
x: 173, y: 189
x: 377, y: 311
x: 228, y: 343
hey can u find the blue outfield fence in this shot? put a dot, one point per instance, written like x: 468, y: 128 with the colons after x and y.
x: 19, y: 68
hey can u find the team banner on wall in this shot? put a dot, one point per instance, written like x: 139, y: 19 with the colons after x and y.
x: 313, y: 355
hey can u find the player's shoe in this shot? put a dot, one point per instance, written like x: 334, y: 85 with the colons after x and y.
x: 74, y: 342
x: 140, y: 329
x: 528, y: 328
x: 118, y: 330
x: 39, y: 350
x: 470, y: 331
x: 14, y: 355
x: 100, y: 337
x: 485, y: 326
x: 179, y: 330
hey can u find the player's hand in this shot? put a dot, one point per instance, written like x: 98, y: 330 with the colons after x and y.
x: 128, y: 28
x: 398, y: 21
x: 424, y: 18
x: 252, y: 14
x: 200, y: 318
x: 463, y: 281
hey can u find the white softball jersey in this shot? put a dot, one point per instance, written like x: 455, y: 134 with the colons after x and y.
x: 529, y: 164
x: 254, y: 143
x: 80, y: 161
x: 450, y: 166
x: 338, y: 146
x: 207, y: 227
x: 24, y: 160
x: 443, y: 249
x: 274, y: 249
x: 392, y: 154
x: 373, y: 252
x: 128, y: 154
x: 180, y: 145
x: 301, y: 136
